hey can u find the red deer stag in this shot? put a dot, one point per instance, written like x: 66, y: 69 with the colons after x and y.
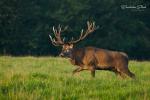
x: 91, y: 58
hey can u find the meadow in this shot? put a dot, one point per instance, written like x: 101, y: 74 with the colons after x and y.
x: 50, y: 78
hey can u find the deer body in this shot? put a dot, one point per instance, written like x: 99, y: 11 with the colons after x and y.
x: 91, y: 58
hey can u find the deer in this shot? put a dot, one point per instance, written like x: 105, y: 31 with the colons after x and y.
x: 91, y: 58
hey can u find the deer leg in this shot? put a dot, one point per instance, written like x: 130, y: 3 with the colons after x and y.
x: 92, y: 69
x: 77, y: 70
x: 128, y: 73
x: 122, y: 75
x: 125, y: 71
x: 93, y: 73
x: 118, y: 73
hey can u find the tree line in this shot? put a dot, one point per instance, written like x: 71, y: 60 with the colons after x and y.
x: 25, y: 25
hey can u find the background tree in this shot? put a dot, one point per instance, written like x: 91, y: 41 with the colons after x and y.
x: 25, y: 25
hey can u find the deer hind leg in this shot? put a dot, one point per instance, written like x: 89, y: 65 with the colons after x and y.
x: 118, y: 73
x: 127, y: 72
x: 130, y: 74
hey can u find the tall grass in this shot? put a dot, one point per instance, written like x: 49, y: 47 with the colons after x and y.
x: 50, y: 78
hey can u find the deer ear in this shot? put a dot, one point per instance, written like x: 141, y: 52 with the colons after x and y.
x: 71, y: 45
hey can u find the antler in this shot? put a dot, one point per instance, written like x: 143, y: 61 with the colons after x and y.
x: 90, y: 28
x: 57, y: 33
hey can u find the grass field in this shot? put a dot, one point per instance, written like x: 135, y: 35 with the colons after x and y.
x: 49, y: 78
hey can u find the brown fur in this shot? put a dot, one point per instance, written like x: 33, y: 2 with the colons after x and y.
x: 90, y: 58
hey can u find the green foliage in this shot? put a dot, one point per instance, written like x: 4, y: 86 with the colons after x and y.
x: 39, y: 78
x: 25, y: 25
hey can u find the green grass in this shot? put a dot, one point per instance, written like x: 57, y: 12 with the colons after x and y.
x: 49, y: 78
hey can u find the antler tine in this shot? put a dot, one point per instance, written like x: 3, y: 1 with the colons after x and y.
x: 80, y: 38
x: 53, y: 41
x: 59, y: 28
x: 95, y: 27
x: 65, y: 28
x: 81, y: 34
x: 90, y: 28
x: 50, y: 37
x: 57, y: 33
x: 64, y: 39
x: 89, y: 25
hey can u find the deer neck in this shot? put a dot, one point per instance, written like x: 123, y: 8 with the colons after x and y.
x: 73, y: 53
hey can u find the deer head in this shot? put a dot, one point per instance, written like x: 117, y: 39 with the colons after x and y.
x: 67, y: 47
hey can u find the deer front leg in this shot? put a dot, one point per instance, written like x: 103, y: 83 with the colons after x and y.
x: 92, y: 69
x: 77, y: 70
x: 93, y: 73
